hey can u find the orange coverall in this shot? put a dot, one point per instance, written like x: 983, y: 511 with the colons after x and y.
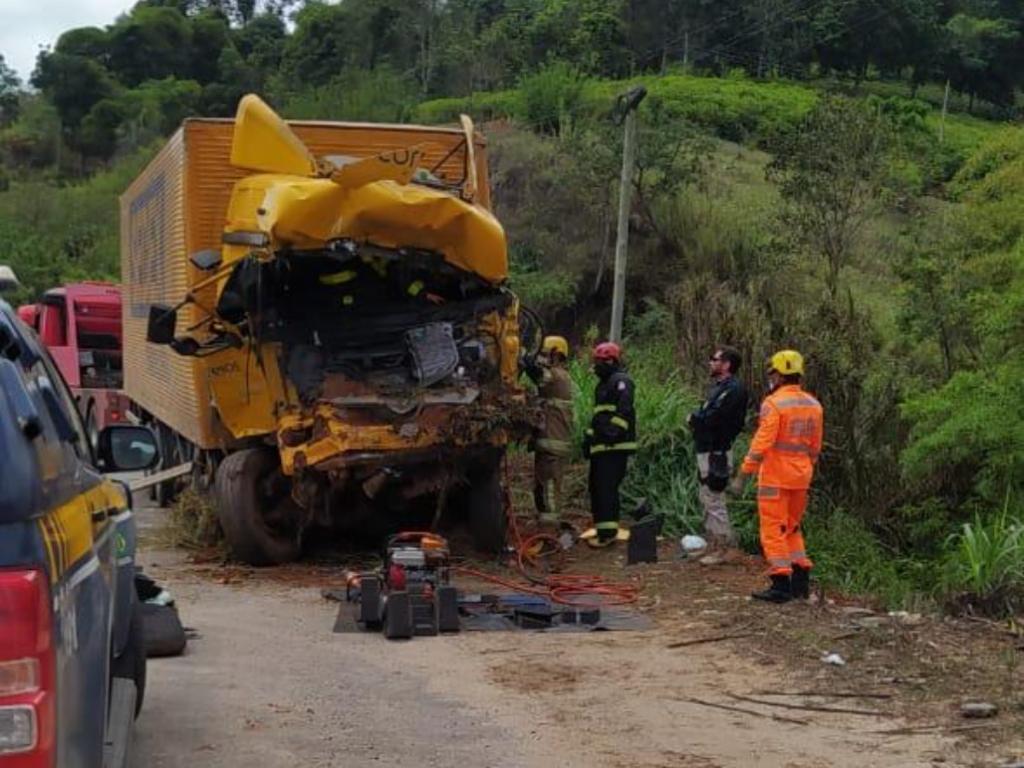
x: 783, y: 453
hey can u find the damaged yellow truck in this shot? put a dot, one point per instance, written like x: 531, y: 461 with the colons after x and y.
x: 315, y: 316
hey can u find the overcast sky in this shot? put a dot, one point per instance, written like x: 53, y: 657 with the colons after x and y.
x: 27, y: 24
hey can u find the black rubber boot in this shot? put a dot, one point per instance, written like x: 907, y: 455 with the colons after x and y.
x: 778, y: 592
x: 800, y: 583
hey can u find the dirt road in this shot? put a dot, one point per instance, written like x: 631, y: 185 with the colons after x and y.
x: 267, y: 683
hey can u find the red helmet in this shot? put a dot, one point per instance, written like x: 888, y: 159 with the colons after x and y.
x: 607, y: 350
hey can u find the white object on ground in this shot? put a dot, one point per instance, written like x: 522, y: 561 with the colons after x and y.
x: 834, y: 659
x: 693, y: 543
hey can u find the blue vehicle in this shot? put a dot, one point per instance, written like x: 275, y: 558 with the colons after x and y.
x: 72, y: 655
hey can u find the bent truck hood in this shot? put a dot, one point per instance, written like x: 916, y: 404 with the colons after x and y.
x: 308, y: 213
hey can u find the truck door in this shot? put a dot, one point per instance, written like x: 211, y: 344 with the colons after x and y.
x: 58, y: 337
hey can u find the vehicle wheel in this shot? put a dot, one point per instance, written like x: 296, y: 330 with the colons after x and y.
x: 167, y: 491
x: 485, y: 501
x: 255, y: 508
x: 131, y: 664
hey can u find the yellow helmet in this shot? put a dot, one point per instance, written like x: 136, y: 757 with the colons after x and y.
x: 555, y: 344
x: 787, y: 362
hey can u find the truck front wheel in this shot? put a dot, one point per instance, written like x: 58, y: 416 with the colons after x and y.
x: 255, y: 509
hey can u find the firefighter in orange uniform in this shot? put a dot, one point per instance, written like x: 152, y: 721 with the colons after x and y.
x: 783, y: 454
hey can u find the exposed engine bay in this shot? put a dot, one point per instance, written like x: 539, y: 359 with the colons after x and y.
x: 365, y: 325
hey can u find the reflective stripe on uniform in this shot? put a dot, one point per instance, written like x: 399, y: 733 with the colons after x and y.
x: 348, y: 301
x: 615, y: 447
x: 618, y: 421
x: 557, y: 447
x: 767, y: 492
x: 793, y: 448
x: 415, y: 288
x: 794, y: 402
x: 337, y: 278
x: 609, y: 526
x: 604, y: 409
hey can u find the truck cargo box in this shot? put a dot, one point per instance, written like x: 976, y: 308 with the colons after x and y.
x: 177, y: 207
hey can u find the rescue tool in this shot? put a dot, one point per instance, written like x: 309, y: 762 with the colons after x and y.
x: 412, y: 593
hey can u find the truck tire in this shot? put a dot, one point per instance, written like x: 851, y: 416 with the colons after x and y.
x: 254, y: 515
x: 485, y: 501
x: 167, y: 491
x: 91, y: 428
x: 131, y: 664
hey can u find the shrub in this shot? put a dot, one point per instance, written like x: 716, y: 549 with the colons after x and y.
x: 550, y: 98
x: 984, y: 570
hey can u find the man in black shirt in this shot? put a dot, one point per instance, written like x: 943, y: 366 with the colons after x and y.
x: 715, y: 426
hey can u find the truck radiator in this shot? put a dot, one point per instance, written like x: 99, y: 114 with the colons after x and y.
x: 434, y: 354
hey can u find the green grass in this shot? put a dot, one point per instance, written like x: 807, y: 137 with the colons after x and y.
x: 730, y: 108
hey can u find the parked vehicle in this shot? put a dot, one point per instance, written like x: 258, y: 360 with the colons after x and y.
x: 72, y: 661
x: 80, y: 325
x: 329, y: 334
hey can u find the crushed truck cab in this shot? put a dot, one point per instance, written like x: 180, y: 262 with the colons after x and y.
x: 351, y: 343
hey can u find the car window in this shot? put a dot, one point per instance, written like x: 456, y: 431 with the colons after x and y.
x: 64, y: 400
x: 81, y: 445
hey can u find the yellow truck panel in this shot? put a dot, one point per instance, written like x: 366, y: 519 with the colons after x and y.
x: 178, y: 206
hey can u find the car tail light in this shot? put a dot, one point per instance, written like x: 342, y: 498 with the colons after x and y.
x: 27, y: 680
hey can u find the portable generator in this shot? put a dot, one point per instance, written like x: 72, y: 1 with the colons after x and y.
x: 411, y: 594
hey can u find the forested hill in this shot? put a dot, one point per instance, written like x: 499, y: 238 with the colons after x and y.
x: 107, y: 89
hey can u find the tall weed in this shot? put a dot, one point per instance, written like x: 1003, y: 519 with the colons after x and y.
x: 985, y: 565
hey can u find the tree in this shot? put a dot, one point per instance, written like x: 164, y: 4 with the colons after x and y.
x: 980, y: 60
x: 235, y: 79
x: 73, y: 83
x: 261, y: 43
x: 831, y: 172
x: 89, y: 42
x: 209, y: 36
x: 150, y: 44
x: 10, y: 94
x: 98, y: 134
x: 326, y: 39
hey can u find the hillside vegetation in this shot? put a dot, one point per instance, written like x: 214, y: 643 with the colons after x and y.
x: 791, y: 190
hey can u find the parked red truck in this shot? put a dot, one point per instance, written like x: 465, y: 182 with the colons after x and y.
x: 80, y: 324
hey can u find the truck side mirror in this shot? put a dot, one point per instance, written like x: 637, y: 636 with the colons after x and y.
x: 127, y: 448
x: 206, y: 260
x: 162, y: 321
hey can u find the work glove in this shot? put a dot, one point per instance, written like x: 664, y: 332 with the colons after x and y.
x: 738, y: 485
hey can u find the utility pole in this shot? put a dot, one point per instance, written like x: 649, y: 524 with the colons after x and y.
x: 625, y: 113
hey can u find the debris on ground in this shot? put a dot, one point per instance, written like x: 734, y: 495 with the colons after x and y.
x: 978, y: 709
x: 692, y: 543
x: 162, y: 630
x: 833, y: 659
